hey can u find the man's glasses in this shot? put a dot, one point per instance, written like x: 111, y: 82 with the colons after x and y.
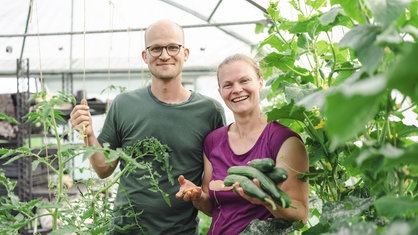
x: 172, y: 50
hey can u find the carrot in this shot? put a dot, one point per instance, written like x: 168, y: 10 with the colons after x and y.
x: 190, y: 189
x: 83, y: 101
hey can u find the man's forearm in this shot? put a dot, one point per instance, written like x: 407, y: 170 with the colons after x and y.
x: 98, y: 161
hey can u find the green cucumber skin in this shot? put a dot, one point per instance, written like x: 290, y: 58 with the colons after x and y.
x: 249, y: 188
x: 278, y: 175
x: 262, y: 164
x: 265, y: 182
x: 247, y: 185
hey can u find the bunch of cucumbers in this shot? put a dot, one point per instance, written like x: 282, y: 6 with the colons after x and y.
x: 267, y: 174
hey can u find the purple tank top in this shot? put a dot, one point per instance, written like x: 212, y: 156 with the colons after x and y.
x: 231, y: 213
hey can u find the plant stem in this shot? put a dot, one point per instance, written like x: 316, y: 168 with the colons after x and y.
x: 60, y: 168
x: 334, y: 56
x: 114, y: 181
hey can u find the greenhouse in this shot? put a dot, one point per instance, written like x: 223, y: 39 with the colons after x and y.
x: 340, y: 74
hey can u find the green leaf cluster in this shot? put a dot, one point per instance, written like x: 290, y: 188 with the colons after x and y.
x: 93, y: 211
x: 342, y: 73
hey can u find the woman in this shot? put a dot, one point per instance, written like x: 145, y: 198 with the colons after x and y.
x: 250, y: 136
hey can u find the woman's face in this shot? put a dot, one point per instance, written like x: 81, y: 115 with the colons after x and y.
x: 239, y: 87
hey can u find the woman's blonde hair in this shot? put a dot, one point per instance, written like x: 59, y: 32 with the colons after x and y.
x: 240, y: 57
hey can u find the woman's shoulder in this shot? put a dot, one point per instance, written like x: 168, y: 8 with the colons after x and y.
x: 219, y: 132
x: 278, y: 125
x: 216, y: 137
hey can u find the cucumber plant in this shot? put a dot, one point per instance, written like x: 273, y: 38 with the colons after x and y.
x: 342, y: 74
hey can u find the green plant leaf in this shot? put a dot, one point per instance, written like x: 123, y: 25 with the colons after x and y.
x: 312, y: 26
x: 320, y: 228
x: 88, y: 213
x: 295, y: 93
x: 35, y: 164
x: 269, y: 226
x: 390, y: 36
x: 273, y: 12
x: 411, y: 30
x: 402, y: 131
x: 288, y: 111
x: 395, y: 157
x: 362, y: 40
x: 404, y: 73
x: 351, y: 107
x: 67, y: 229
x: 339, y: 212
x: 370, y: 162
x: 316, y: 4
x: 386, y: 12
x: 280, y: 61
x: 303, y: 41
x: 413, y: 8
x: 314, y: 100
x: 331, y: 16
x: 275, y: 42
x: 403, y: 227
x: 351, y: 9
x: 376, y: 162
x: 392, y: 207
x: 9, y: 119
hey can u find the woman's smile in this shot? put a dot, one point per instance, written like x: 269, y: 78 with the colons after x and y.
x: 240, y: 98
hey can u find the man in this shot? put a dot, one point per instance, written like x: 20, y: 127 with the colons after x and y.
x: 177, y: 117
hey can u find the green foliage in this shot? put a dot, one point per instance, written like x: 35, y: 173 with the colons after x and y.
x: 9, y: 119
x: 342, y: 74
x: 112, y: 87
x: 269, y: 226
x: 150, y: 147
x: 93, y: 211
x: 14, y: 214
x: 204, y: 223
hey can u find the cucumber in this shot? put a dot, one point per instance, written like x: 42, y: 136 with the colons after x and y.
x: 262, y: 164
x: 278, y: 175
x: 265, y: 182
x: 249, y: 188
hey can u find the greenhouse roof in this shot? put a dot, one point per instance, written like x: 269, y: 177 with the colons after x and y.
x: 90, y: 36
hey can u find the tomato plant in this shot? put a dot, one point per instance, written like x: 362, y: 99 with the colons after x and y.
x: 91, y: 211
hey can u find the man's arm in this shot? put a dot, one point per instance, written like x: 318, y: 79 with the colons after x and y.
x: 81, y: 120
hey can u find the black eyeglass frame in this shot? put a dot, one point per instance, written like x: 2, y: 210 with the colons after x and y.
x: 166, y: 49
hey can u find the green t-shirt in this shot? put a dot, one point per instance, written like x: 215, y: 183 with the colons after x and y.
x: 138, y: 114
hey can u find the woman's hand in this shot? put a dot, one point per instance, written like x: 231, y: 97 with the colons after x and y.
x: 188, y: 191
x: 253, y: 200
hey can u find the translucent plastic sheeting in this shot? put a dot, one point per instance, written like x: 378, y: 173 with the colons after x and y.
x: 72, y: 35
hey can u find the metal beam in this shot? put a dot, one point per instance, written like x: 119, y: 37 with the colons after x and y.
x: 257, y: 6
x: 202, y: 17
x: 263, y: 21
x: 35, y: 73
x: 26, y: 30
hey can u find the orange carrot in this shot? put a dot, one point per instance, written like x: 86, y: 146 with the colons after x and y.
x: 190, y: 189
